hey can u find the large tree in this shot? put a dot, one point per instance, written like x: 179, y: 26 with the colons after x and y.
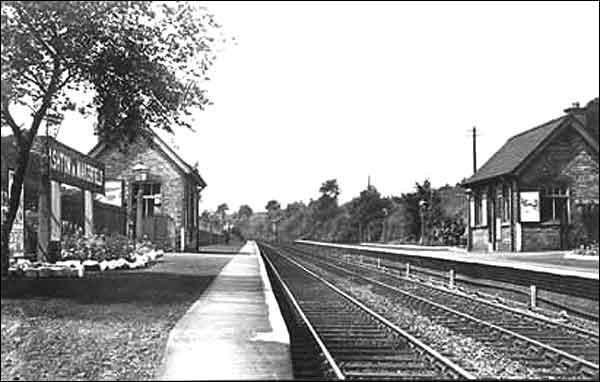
x: 222, y: 213
x: 274, y: 214
x: 245, y: 212
x: 367, y: 213
x: 327, y: 204
x: 330, y: 188
x: 140, y: 59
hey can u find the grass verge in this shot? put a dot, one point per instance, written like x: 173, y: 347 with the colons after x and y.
x: 111, y: 325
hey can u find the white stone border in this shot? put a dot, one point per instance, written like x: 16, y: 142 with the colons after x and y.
x: 279, y: 332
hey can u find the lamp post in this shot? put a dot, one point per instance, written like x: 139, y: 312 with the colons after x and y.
x: 274, y: 228
x: 140, y: 173
x: 422, y: 208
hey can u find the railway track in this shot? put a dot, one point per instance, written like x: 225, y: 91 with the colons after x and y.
x: 357, y: 342
x: 550, y: 349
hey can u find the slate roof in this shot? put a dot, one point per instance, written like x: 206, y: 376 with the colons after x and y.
x: 166, y: 149
x: 515, y: 151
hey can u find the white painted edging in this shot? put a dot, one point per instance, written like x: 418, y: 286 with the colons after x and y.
x: 308, y: 324
x: 464, y: 374
x: 279, y: 331
x: 575, y: 256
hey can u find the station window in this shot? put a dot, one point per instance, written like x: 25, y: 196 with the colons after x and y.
x: 480, y: 208
x: 150, y: 198
x: 554, y: 204
x: 505, y: 203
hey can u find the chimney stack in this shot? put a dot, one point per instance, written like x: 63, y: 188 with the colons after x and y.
x: 574, y: 109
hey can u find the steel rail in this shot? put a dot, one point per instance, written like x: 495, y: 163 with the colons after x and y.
x: 313, y: 332
x: 439, y: 357
x: 467, y: 316
x: 531, y: 315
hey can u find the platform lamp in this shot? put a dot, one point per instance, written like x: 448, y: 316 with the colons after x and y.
x: 140, y: 174
x: 53, y: 249
x: 422, y: 207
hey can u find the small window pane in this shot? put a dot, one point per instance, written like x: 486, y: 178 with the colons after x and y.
x: 546, y: 209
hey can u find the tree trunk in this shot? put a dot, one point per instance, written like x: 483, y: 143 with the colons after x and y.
x: 24, y: 142
x: 360, y: 232
x: 15, y: 197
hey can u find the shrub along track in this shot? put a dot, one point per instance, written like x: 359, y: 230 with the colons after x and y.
x: 357, y: 342
x: 549, y: 349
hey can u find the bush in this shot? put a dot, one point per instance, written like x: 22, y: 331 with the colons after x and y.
x: 102, y: 247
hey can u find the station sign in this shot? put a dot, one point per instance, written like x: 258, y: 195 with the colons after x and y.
x: 71, y: 167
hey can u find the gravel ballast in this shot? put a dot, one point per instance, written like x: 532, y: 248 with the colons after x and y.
x: 481, y: 360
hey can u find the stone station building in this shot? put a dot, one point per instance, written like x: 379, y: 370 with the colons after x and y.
x: 158, y: 189
x: 540, y: 190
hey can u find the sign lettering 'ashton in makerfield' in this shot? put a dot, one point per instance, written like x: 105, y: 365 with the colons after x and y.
x: 71, y: 167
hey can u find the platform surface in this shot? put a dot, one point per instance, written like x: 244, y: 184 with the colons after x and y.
x: 234, y: 331
x: 553, y: 262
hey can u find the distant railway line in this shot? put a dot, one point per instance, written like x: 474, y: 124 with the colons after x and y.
x: 548, y: 349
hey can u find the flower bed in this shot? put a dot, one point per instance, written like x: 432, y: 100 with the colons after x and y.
x: 587, y: 250
x: 39, y: 269
x: 90, y: 253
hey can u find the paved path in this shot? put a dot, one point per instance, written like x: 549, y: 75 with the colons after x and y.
x: 234, y: 331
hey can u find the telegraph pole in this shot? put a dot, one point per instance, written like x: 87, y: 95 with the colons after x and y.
x: 474, y: 150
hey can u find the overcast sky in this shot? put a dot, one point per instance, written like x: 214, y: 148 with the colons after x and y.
x: 314, y: 91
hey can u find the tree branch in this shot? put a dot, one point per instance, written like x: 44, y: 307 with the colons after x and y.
x: 69, y: 76
x: 25, y: 16
x: 30, y: 78
x: 16, y: 129
x: 46, y: 101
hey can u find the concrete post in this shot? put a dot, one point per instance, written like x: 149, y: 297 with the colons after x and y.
x: 43, y: 233
x: 451, y: 278
x: 533, y: 296
x: 182, y: 235
x: 378, y: 263
x: 55, y: 222
x: 130, y: 200
x: 88, y: 208
x: 407, y: 270
x: 139, y: 215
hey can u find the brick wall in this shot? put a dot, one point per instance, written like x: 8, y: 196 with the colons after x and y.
x: 540, y: 238
x: 582, y: 170
x: 119, y: 166
x: 570, y: 162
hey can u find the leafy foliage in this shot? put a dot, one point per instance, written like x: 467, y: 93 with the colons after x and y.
x: 326, y: 206
x: 369, y: 217
x: 592, y: 120
x: 142, y: 60
x: 244, y: 211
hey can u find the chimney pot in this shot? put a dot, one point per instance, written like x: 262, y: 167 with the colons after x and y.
x: 574, y: 109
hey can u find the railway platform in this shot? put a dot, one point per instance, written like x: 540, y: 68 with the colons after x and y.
x: 234, y: 331
x: 551, y: 262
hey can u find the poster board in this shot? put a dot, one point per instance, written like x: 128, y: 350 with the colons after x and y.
x: 530, y: 206
x: 113, y: 193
